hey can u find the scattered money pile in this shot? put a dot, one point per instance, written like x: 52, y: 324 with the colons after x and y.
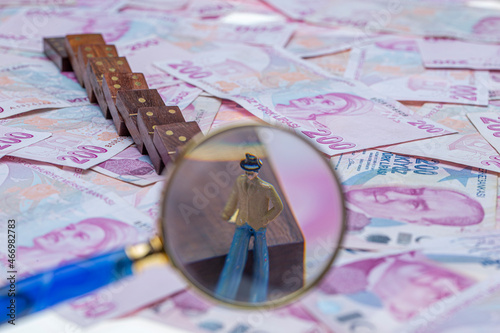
x: 402, y: 96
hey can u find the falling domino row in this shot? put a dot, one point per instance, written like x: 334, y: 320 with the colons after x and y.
x: 157, y: 129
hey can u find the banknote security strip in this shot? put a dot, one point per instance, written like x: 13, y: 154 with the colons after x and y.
x: 123, y: 95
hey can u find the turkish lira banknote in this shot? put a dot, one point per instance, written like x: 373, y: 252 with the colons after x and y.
x: 398, y: 200
x: 130, y: 166
x: 393, y: 67
x: 81, y: 137
x: 281, y: 89
x: 12, y: 139
x: 188, y: 311
x: 32, y: 86
x: 467, y: 147
x: 451, y: 53
x: 203, y: 110
x: 410, y: 17
x: 385, y: 292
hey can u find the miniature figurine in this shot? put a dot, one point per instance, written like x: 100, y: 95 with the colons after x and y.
x: 250, y: 198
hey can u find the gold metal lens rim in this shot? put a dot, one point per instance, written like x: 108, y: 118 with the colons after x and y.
x: 171, y: 171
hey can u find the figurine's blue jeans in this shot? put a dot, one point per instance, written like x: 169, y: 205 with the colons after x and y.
x: 230, y: 278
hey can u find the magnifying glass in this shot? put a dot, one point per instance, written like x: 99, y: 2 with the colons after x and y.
x: 251, y: 216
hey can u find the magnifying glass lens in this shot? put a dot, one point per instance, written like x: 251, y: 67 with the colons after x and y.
x: 252, y: 216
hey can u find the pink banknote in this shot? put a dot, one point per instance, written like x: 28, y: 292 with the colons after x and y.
x: 313, y: 41
x: 468, y: 147
x: 36, y: 85
x: 26, y: 29
x: 393, y: 67
x: 81, y: 137
x: 203, y: 110
x: 124, y: 296
x: 382, y: 292
x: 493, y: 84
x: 182, y: 94
x: 12, y: 139
x: 477, y: 23
x: 335, y: 64
x: 399, y: 200
x: 189, y: 312
x: 451, y: 53
x: 335, y: 114
x: 230, y: 113
x: 141, y: 55
x: 488, y: 124
x: 130, y: 166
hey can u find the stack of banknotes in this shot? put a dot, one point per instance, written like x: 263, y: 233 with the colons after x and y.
x: 403, y: 96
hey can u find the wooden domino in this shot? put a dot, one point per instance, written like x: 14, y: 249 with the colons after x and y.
x: 89, y: 51
x: 72, y: 42
x: 128, y: 102
x: 96, y: 68
x: 123, y: 95
x: 170, y: 137
x: 147, y: 120
x: 54, y: 50
x: 111, y: 84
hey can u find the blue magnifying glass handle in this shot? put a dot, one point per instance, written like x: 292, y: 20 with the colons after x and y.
x: 38, y: 292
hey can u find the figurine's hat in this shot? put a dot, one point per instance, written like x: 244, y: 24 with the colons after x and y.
x: 251, y: 163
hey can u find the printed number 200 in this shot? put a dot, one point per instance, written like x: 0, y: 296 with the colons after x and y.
x: 325, y: 138
x: 85, y: 153
x: 195, y: 72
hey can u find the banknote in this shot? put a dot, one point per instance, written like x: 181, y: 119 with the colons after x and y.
x: 451, y: 53
x: 123, y: 297
x: 335, y: 64
x: 474, y: 310
x: 398, y: 200
x: 493, y: 84
x: 62, y: 219
x: 312, y: 41
x: 110, y: 6
x: 468, y: 147
x: 393, y: 67
x: 15, y: 57
x: 384, y: 292
x: 417, y: 18
x: 32, y: 86
x: 144, y: 198
x: 209, y: 8
x: 182, y: 94
x: 38, y: 2
x: 488, y: 124
x: 155, y: 5
x: 203, y: 110
x: 142, y: 53
x: 271, y: 34
x: 26, y: 28
x: 389, y: 58
x: 12, y: 139
x: 335, y: 114
x: 35, y: 190
x: 39, y: 193
x: 230, y: 113
x: 130, y: 166
x: 81, y: 137
x: 188, y: 311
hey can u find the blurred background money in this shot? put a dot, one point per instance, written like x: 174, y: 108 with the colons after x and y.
x: 402, y: 97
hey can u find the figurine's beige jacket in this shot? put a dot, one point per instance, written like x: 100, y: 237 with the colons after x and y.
x: 251, y: 198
